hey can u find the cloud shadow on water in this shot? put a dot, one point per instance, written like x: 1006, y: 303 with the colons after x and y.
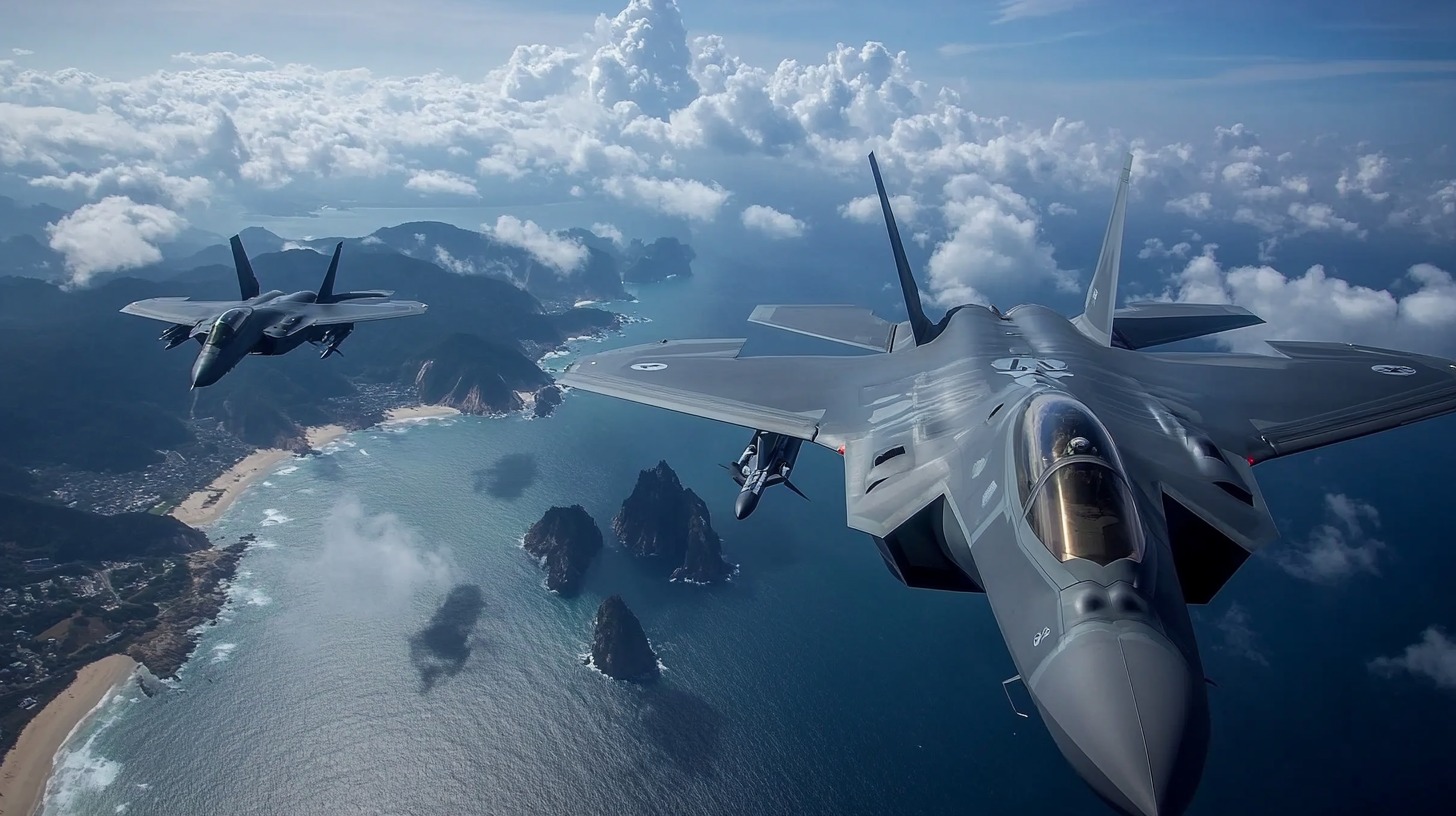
x: 441, y: 649
x: 507, y: 477
x: 684, y: 727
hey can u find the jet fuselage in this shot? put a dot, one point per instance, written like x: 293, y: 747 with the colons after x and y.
x: 1073, y: 557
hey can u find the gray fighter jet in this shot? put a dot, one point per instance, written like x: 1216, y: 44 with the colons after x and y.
x: 1090, y: 488
x: 266, y: 323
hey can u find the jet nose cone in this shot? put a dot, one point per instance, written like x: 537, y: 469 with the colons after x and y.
x: 1131, y: 717
x: 745, y: 503
x: 206, y: 370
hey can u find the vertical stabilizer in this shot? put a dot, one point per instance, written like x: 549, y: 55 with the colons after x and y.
x: 1096, y: 319
x: 326, y: 289
x: 920, y: 325
x: 247, y: 281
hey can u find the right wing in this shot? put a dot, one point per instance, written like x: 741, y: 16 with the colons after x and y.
x: 797, y: 396
x: 851, y: 325
x: 326, y: 314
x: 179, y: 309
x: 1316, y: 394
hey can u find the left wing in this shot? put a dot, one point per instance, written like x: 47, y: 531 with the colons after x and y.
x: 327, y: 314
x: 1316, y: 394
x: 813, y: 398
x: 179, y: 309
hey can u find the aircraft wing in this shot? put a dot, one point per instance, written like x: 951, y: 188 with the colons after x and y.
x: 1315, y: 394
x: 707, y: 378
x: 327, y: 314
x: 179, y: 309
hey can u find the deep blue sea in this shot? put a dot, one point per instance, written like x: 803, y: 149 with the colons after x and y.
x: 813, y: 683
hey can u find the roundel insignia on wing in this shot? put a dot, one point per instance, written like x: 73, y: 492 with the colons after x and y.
x: 1393, y: 370
x: 648, y: 366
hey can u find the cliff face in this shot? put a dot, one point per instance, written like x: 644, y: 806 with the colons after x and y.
x: 477, y: 376
x: 565, y: 540
x: 619, y: 646
x: 668, y: 523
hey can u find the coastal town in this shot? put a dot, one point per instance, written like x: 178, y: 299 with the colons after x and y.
x: 75, y: 624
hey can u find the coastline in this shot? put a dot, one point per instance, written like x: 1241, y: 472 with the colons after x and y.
x: 204, y: 506
x: 27, y: 767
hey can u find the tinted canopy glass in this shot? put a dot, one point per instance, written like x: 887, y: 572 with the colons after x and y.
x: 226, y: 326
x: 1076, y: 498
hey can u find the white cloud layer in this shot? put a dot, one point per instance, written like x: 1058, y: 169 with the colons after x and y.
x: 1339, y: 548
x: 1317, y: 306
x: 636, y: 111
x: 684, y: 198
x: 111, y: 234
x: 771, y: 222
x: 442, y: 181
x: 1433, y: 658
x: 562, y: 254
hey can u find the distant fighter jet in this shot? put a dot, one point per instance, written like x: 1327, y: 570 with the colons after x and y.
x: 268, y: 323
x: 1091, y: 489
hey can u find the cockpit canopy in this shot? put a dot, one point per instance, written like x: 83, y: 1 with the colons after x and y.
x: 227, y: 325
x: 1073, y: 489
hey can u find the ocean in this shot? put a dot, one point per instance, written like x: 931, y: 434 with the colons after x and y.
x: 812, y: 683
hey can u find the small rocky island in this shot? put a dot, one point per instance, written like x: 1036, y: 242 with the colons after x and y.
x: 619, y: 646
x: 667, y: 523
x: 565, y: 540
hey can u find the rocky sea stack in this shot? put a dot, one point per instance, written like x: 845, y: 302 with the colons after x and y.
x: 666, y: 522
x: 565, y: 540
x: 619, y: 646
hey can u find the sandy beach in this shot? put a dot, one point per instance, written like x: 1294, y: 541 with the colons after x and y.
x: 28, y: 765
x: 417, y: 412
x: 205, y: 505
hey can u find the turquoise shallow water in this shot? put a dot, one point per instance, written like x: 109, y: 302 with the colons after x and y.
x: 812, y: 683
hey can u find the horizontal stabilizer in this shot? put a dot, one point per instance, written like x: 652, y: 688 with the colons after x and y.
x: 1143, y: 325
x: 851, y: 325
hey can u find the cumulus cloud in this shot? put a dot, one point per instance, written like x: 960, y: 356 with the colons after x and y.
x: 866, y: 209
x: 1433, y: 658
x: 137, y: 181
x: 555, y: 251
x: 1239, y: 636
x: 373, y: 564
x: 111, y: 234
x: 1193, y: 205
x: 1317, y: 306
x: 610, y: 232
x: 640, y: 104
x: 684, y: 198
x: 771, y: 222
x: 441, y: 181
x: 1366, y: 177
x: 228, y: 59
x: 1153, y: 249
x: 1058, y: 208
x: 1338, y: 548
x: 22, y: 52
x: 993, y: 244
x: 645, y: 61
